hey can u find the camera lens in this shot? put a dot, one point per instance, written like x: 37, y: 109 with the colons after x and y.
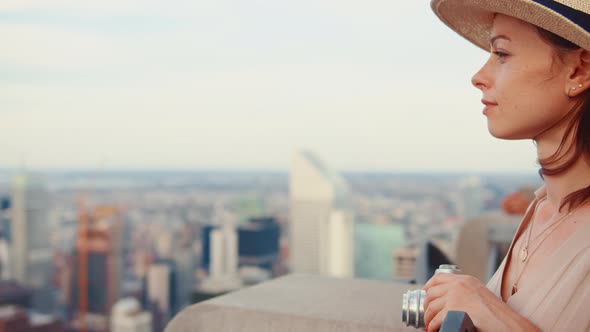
x: 413, y: 308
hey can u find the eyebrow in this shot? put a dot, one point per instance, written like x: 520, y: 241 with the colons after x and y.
x: 498, y: 37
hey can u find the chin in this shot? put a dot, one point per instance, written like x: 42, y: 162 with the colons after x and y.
x: 504, y: 133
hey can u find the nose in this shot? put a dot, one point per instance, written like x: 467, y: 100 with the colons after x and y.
x: 481, y: 79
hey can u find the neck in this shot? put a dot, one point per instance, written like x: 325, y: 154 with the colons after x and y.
x: 573, y: 179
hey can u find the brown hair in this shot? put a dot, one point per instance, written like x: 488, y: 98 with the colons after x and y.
x: 578, y: 127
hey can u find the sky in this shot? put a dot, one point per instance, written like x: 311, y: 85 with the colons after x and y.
x: 242, y: 84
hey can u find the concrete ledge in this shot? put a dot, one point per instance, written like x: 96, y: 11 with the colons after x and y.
x: 300, y: 303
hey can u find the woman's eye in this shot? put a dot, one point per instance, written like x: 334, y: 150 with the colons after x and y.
x: 500, y: 55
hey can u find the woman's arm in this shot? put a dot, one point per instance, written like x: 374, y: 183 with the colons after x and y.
x: 445, y: 292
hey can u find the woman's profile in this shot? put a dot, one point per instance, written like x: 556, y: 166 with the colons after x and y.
x: 535, y: 85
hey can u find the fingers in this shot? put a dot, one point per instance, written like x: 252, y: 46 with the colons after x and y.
x: 437, y: 321
x: 443, y: 278
x: 434, y: 293
x: 434, y: 307
x: 439, y: 278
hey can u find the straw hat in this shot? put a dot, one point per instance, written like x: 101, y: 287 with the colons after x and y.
x: 473, y: 19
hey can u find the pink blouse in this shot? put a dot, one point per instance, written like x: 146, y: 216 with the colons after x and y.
x: 557, y: 298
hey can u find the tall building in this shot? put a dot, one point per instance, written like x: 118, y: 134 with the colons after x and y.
x: 472, y: 197
x: 127, y: 316
x: 258, y: 242
x: 223, y: 264
x: 96, y: 283
x: 30, y: 247
x: 223, y: 269
x: 4, y: 259
x: 184, y: 266
x: 5, y: 233
x: 5, y: 218
x: 321, y: 225
x: 161, y: 292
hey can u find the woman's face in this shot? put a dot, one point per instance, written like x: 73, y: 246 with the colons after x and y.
x: 523, y: 82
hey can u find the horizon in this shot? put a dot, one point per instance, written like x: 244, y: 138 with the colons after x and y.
x: 122, y: 170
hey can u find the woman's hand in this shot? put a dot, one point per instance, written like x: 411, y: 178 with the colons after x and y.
x: 445, y: 292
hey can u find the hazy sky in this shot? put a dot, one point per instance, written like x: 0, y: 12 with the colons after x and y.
x: 367, y: 85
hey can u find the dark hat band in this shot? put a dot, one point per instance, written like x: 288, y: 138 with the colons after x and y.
x: 579, y: 18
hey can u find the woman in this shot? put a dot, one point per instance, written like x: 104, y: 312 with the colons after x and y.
x: 535, y: 85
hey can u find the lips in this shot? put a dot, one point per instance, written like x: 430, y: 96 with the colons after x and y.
x: 488, y: 106
x: 488, y: 103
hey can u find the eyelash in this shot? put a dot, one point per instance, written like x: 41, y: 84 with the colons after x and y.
x: 501, y: 55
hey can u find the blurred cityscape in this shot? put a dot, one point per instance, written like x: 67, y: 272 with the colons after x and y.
x: 127, y: 250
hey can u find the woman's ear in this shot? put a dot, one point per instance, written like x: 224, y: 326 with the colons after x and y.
x: 579, y: 80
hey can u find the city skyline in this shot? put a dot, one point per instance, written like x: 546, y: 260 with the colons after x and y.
x: 132, y: 249
x: 225, y: 84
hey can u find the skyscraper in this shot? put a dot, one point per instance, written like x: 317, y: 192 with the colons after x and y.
x: 30, y: 248
x: 223, y: 264
x: 223, y: 270
x: 321, y: 224
x: 4, y: 259
x: 97, y: 276
x: 472, y: 197
x: 258, y: 242
x: 184, y: 266
x: 5, y: 234
x: 161, y: 292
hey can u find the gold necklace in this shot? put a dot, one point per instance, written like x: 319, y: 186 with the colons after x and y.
x: 524, y: 252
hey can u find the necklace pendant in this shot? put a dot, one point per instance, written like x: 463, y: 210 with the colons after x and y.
x: 523, y: 254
